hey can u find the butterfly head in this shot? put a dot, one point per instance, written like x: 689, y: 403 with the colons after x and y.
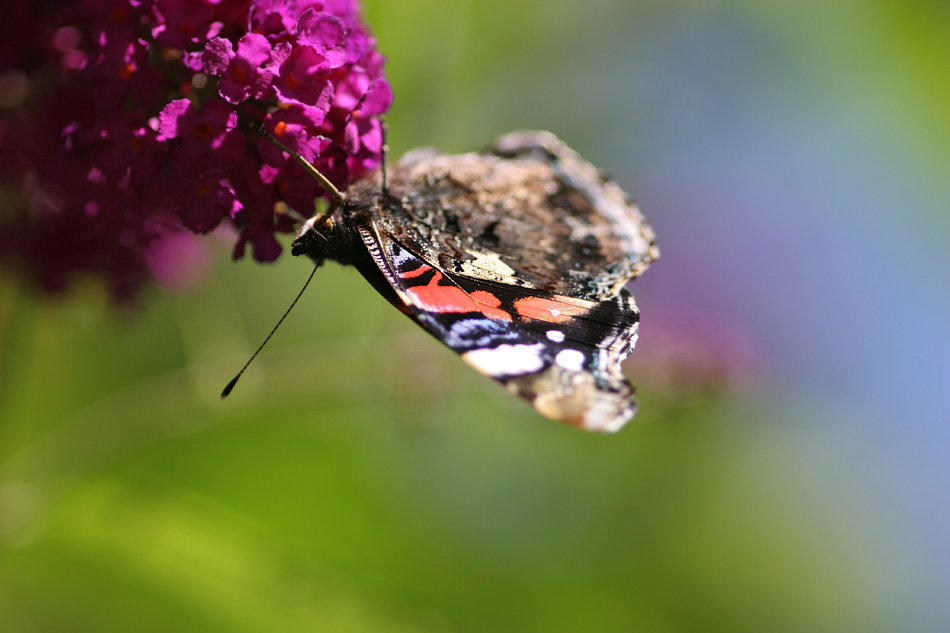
x: 314, y: 238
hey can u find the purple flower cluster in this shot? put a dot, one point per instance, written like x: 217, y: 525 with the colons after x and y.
x: 124, y: 123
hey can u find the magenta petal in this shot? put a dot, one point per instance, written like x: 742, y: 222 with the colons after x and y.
x: 295, y: 128
x: 218, y: 115
x: 279, y: 55
x: 178, y: 118
x: 205, y: 206
x: 254, y: 49
x: 352, y: 135
x: 265, y: 246
x: 299, y: 78
x: 232, y: 92
x: 378, y: 99
x: 228, y: 150
x: 182, y: 21
x: 323, y: 30
x: 372, y: 139
x: 217, y: 55
x: 243, y: 76
x: 272, y: 16
x: 346, y: 9
x: 209, y: 141
x: 194, y: 61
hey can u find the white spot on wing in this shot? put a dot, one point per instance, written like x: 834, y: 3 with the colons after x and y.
x: 401, y: 257
x: 486, y: 262
x: 570, y: 359
x: 606, y: 424
x: 556, y: 336
x: 507, y: 360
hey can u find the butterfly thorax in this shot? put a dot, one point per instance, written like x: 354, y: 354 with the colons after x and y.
x: 334, y: 235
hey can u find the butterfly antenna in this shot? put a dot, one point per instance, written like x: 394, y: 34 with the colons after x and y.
x: 230, y: 385
x: 303, y: 162
x: 384, y: 153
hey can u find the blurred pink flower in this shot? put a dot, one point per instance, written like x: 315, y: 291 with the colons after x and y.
x: 682, y: 354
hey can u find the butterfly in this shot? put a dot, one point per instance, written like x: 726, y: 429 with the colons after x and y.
x: 515, y: 257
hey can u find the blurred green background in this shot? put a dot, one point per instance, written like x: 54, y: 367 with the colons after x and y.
x: 788, y: 469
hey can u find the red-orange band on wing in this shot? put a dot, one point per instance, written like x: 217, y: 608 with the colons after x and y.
x: 452, y: 299
x: 488, y: 304
x: 418, y: 272
x: 547, y: 310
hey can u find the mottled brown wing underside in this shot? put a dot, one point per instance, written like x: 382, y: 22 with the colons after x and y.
x: 527, y: 212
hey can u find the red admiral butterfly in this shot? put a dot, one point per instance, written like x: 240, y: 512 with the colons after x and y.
x: 515, y: 257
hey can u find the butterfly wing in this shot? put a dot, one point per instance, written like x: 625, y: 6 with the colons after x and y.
x: 561, y: 354
x: 516, y: 258
x: 527, y: 212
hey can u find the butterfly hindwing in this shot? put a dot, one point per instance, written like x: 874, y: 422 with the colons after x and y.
x: 559, y: 353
